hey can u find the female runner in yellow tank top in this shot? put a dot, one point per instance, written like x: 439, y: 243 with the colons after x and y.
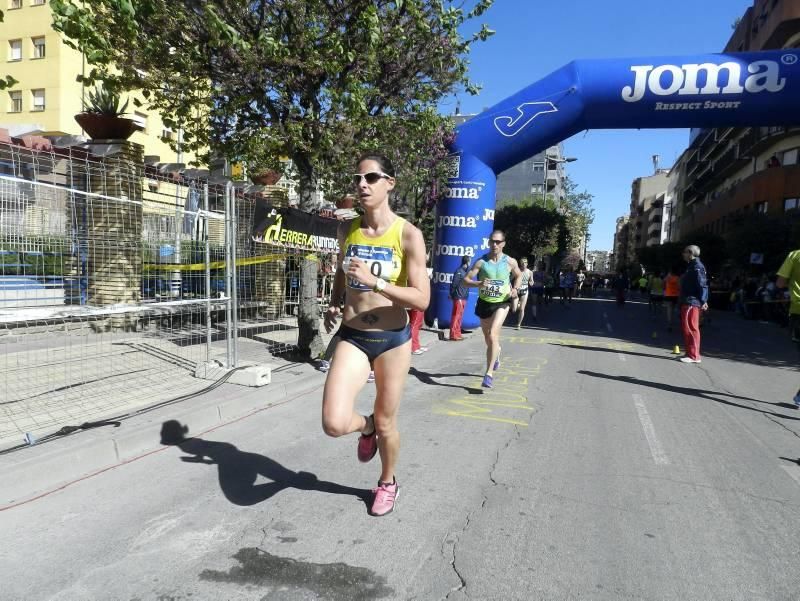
x: 381, y: 273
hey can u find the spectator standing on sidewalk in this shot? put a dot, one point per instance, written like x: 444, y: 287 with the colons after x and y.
x: 459, y: 294
x: 415, y: 320
x: 693, y: 300
x: 789, y: 276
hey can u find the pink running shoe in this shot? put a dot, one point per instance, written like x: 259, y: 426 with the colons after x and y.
x: 385, y: 497
x: 368, y: 444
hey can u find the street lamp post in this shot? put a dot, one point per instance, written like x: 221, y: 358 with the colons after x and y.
x: 547, y: 161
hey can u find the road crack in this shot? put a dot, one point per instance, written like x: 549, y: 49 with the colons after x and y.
x: 453, y: 538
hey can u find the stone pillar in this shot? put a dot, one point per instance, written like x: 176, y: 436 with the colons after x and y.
x: 114, y: 227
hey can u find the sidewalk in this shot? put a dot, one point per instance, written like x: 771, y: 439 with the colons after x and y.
x: 31, y: 470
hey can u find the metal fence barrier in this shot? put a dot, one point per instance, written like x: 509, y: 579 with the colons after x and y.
x: 117, y: 281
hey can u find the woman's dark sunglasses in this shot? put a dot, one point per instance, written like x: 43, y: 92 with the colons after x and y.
x: 372, y: 177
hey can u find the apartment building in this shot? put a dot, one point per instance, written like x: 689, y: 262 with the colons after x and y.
x: 621, y: 250
x: 727, y: 174
x: 648, y: 196
x: 47, y: 96
x: 539, y: 177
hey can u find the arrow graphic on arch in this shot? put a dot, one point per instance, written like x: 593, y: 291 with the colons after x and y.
x: 526, y: 112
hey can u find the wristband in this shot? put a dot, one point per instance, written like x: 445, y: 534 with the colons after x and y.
x: 380, y: 286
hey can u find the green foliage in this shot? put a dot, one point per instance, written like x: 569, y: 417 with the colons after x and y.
x: 105, y: 101
x: 531, y: 230
x: 579, y: 212
x: 317, y: 81
x: 661, y: 257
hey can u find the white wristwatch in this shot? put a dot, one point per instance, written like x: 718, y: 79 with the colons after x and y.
x: 380, y: 286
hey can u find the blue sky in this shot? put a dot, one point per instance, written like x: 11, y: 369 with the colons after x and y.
x: 536, y: 37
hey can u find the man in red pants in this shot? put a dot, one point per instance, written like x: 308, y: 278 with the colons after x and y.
x: 693, y: 299
x: 458, y: 294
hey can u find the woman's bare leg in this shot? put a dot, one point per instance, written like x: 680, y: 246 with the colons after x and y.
x: 391, y: 371
x: 347, y: 376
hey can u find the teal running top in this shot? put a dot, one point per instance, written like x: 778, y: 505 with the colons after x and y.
x: 498, y: 274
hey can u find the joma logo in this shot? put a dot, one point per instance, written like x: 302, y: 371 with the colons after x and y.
x: 456, y: 221
x: 456, y: 192
x: 452, y: 250
x: 666, y: 80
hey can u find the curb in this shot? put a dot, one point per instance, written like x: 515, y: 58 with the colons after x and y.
x: 41, y: 469
x: 61, y: 462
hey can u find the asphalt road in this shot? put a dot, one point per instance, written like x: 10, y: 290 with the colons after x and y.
x: 597, y: 468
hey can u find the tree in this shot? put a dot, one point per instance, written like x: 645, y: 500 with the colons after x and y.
x: 579, y: 212
x: 771, y: 236
x: 531, y: 230
x: 662, y: 257
x: 317, y: 81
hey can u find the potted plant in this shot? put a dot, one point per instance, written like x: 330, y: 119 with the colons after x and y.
x: 103, y: 117
x: 265, y: 177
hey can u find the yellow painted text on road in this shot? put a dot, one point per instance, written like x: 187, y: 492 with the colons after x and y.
x: 504, y: 402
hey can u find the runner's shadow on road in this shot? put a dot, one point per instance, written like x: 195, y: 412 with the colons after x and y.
x: 427, y: 378
x: 239, y: 470
x: 693, y: 392
x: 609, y: 350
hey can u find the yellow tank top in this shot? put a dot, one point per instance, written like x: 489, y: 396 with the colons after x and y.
x: 383, y: 254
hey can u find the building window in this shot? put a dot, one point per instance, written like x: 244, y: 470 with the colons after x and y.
x: 537, y: 189
x: 761, y: 207
x: 790, y: 157
x: 15, y: 50
x: 167, y: 134
x: 38, y: 47
x: 14, y: 4
x: 538, y: 167
x: 38, y: 100
x: 16, y: 102
x: 141, y: 120
x: 790, y: 204
x: 37, y: 2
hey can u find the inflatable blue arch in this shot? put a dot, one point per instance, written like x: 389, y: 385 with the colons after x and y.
x: 710, y: 90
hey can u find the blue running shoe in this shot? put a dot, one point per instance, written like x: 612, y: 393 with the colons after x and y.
x: 797, y: 400
x: 487, y: 381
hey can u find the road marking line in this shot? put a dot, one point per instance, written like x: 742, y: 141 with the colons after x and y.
x: 621, y: 357
x: 650, y: 432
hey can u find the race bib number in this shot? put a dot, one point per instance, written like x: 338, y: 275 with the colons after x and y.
x: 379, y: 260
x: 493, y: 289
